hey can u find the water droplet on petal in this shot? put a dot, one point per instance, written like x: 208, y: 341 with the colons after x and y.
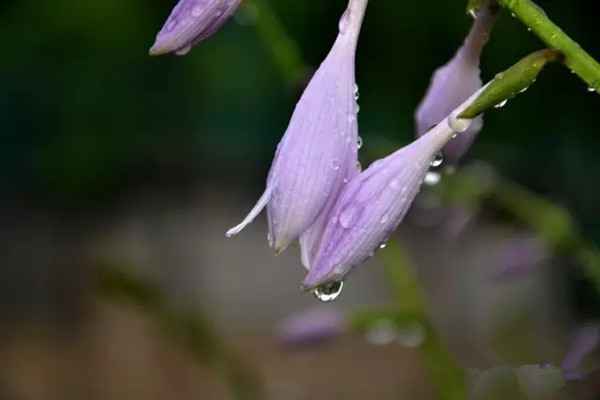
x: 359, y: 142
x: 329, y: 291
x: 438, y: 160
x: 591, y: 89
x: 383, y: 246
x: 356, y: 92
x: 384, y: 219
x: 336, y: 165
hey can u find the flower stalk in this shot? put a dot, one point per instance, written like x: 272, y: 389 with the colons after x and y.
x: 576, y: 58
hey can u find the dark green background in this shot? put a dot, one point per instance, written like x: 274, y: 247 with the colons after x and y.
x: 86, y: 116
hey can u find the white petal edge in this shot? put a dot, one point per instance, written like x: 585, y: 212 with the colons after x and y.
x: 260, y: 205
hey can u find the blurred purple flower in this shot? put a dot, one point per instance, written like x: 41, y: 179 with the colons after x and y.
x: 311, y: 326
x: 372, y: 205
x: 318, y: 153
x: 453, y: 83
x: 520, y: 255
x: 584, y: 342
x: 190, y: 22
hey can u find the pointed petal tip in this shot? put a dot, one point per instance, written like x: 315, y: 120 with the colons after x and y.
x: 314, y: 279
x: 158, y: 49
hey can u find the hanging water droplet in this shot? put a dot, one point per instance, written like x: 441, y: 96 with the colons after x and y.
x: 356, y: 92
x: 432, y: 178
x: 512, y: 14
x: 438, y: 160
x: 591, y: 89
x: 357, y: 109
x: 329, y: 291
x: 383, y: 246
x: 501, y: 104
x: 359, y: 142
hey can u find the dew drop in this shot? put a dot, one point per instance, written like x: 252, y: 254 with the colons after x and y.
x: 356, y: 92
x: 438, y: 160
x: 329, y: 291
x: 501, y: 104
x: 383, y: 246
x: 591, y: 89
x: 524, y: 89
x: 432, y: 178
x: 359, y: 142
x: 473, y: 13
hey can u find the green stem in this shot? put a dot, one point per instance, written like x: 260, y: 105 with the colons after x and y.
x: 283, y: 49
x: 190, y: 330
x: 576, y: 58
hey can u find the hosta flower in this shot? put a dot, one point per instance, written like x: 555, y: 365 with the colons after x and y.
x: 190, y: 22
x: 453, y: 83
x: 372, y: 205
x: 584, y: 343
x: 311, y: 326
x: 318, y: 152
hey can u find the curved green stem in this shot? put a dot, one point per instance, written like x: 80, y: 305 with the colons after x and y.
x: 576, y: 58
x: 283, y: 49
x: 190, y: 330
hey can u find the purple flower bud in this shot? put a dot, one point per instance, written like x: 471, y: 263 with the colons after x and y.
x: 318, y: 152
x: 311, y: 326
x: 519, y: 256
x: 585, y: 341
x: 190, y: 22
x: 453, y: 83
x: 372, y: 205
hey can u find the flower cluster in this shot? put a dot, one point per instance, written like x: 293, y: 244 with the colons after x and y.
x: 315, y: 191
